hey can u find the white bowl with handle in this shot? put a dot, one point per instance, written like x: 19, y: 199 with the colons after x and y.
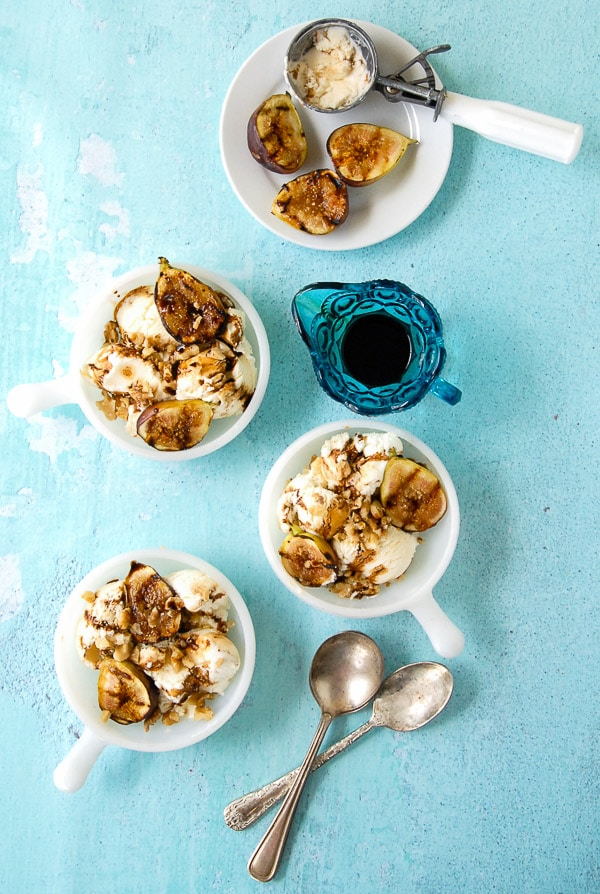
x: 79, y: 682
x: 27, y: 400
x: 413, y: 592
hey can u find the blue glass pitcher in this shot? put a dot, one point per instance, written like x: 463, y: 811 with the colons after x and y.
x: 376, y: 346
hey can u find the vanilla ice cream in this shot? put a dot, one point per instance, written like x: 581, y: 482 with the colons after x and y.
x: 337, y: 498
x: 138, y: 319
x: 141, y: 364
x: 218, y: 375
x: 332, y: 73
x: 189, y: 668
x: 199, y: 660
x: 200, y: 594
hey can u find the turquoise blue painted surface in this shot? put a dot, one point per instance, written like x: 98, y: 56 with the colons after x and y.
x: 109, y: 157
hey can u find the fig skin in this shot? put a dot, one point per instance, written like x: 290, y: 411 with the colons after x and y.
x: 191, y: 311
x: 275, y: 135
x: 125, y: 693
x: 411, y: 495
x: 175, y: 424
x: 316, y: 202
x: 308, y: 558
x: 364, y: 153
x: 155, y: 606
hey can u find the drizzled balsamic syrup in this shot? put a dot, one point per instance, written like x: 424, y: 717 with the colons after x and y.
x: 376, y: 350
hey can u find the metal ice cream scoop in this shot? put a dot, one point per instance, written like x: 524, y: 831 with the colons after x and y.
x: 497, y: 121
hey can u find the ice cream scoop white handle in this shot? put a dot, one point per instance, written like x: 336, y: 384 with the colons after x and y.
x: 447, y: 640
x: 74, y: 769
x: 27, y: 400
x: 515, y: 127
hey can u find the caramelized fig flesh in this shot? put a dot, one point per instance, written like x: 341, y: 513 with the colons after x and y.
x: 155, y: 607
x: 308, y: 558
x: 191, y: 311
x: 411, y: 495
x: 175, y: 424
x: 316, y: 202
x: 125, y: 693
x: 364, y: 153
x: 275, y: 135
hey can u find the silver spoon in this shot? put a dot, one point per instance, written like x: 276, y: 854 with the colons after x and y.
x: 345, y: 674
x: 406, y: 700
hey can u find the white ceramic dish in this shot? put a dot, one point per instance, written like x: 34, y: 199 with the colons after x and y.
x: 28, y: 399
x: 377, y: 211
x: 414, y: 591
x: 79, y: 683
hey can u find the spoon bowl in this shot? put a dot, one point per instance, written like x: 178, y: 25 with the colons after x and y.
x: 412, y: 696
x: 345, y: 674
x: 406, y: 700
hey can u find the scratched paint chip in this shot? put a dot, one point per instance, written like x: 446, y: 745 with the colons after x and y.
x: 97, y: 157
x: 11, y: 590
x: 59, y: 434
x: 33, y: 220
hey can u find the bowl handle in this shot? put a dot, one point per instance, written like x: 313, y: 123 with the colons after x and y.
x: 73, y: 770
x: 447, y: 640
x: 27, y: 400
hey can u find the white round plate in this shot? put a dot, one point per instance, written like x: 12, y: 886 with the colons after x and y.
x: 377, y: 211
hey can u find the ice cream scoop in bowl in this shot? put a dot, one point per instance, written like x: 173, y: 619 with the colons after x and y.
x: 226, y: 413
x: 80, y: 682
x: 415, y: 559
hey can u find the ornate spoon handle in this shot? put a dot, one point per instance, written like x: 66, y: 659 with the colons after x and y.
x: 244, y: 811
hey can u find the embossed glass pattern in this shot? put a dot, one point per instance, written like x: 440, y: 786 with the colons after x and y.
x: 324, y: 314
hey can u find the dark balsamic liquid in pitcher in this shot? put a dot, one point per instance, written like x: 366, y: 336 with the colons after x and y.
x: 376, y: 350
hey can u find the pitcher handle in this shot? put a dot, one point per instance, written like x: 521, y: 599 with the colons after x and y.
x: 446, y: 392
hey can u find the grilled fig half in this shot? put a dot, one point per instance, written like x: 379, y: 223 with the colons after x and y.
x: 411, y: 495
x: 364, y: 153
x: 125, y: 693
x: 155, y: 606
x: 276, y: 136
x: 190, y: 310
x: 316, y: 202
x: 175, y: 424
x: 308, y: 558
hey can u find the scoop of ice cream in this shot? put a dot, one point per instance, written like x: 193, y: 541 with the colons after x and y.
x: 104, y: 627
x: 232, y: 332
x: 347, y: 470
x: 139, y: 321
x: 311, y: 507
x: 223, y: 378
x: 381, y: 554
x: 354, y: 464
x: 332, y: 73
x: 120, y: 370
x: 199, y: 593
x: 201, y: 660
